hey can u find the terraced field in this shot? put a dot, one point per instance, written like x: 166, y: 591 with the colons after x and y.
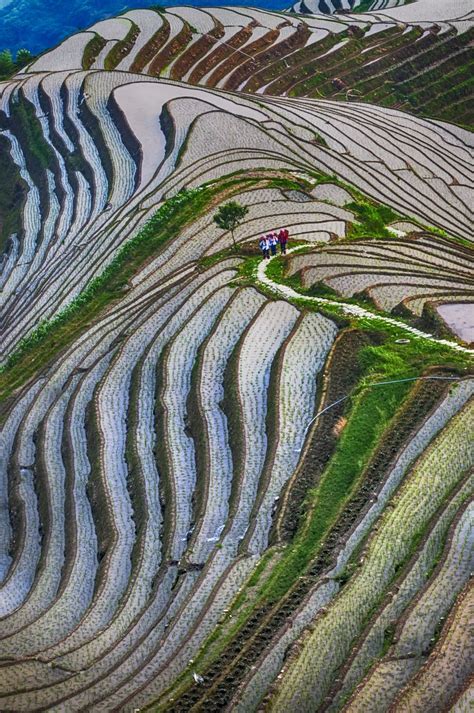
x: 331, y: 7
x: 228, y: 483
x: 416, y: 59
x: 413, y: 276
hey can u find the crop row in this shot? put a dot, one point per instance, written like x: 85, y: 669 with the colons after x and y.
x: 383, y: 631
x: 251, y: 50
x: 248, y: 649
x: 109, y: 166
x: 307, y: 680
x: 123, y: 542
x: 158, y: 433
x: 272, y: 660
x: 445, y: 677
x: 332, y: 6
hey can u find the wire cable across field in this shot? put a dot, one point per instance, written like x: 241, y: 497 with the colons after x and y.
x: 366, y: 386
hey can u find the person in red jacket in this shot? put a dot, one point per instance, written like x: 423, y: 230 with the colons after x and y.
x: 283, y: 236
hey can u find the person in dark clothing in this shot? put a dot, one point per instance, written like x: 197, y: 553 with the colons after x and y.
x: 274, y: 243
x: 283, y: 240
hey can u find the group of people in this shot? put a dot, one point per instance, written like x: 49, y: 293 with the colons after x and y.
x: 268, y: 243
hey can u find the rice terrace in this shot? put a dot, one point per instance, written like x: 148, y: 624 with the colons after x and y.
x: 236, y: 376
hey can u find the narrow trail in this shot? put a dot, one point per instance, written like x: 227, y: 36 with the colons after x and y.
x: 350, y: 309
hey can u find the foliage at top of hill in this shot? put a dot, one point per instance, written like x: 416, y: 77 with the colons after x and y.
x: 10, y: 65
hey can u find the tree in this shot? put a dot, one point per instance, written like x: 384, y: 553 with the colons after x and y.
x: 23, y: 57
x: 7, y: 66
x: 229, y: 216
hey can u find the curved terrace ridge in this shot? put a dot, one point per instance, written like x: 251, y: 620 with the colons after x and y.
x: 345, y: 308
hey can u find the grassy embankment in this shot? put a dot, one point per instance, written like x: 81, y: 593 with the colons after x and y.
x: 38, y: 348
x: 12, y: 195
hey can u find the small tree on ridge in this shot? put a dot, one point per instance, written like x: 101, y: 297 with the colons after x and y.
x: 23, y: 57
x: 229, y: 216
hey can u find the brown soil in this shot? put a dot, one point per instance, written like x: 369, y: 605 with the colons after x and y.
x: 219, y: 55
x: 341, y: 423
x: 171, y: 50
x: 149, y: 50
x: 275, y: 53
x: 298, y: 66
x: 246, y: 67
x: 122, y: 48
x: 194, y: 53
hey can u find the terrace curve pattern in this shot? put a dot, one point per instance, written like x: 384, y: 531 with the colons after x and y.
x: 218, y: 489
x: 416, y: 58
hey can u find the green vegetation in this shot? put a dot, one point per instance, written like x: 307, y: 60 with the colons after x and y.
x: 276, y: 272
x: 364, y: 6
x: 343, y: 462
x: 429, y: 75
x: 52, y: 335
x: 9, y: 66
x: 372, y: 219
x: 370, y: 408
x: 122, y: 48
x: 372, y: 214
x: 415, y: 508
x: 370, y: 414
x: 248, y: 269
x: 370, y: 411
x: 24, y: 118
x: 92, y: 50
x: 12, y: 192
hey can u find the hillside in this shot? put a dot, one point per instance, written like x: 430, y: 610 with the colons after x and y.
x: 39, y: 25
x: 230, y: 483
x: 421, y: 66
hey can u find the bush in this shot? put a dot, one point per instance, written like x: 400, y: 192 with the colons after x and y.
x: 7, y: 65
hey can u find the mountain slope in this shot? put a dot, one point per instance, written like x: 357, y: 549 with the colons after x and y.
x: 92, y: 200
x: 228, y: 484
x: 420, y: 65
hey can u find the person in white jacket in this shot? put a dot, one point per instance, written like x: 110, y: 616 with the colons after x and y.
x: 264, y: 245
